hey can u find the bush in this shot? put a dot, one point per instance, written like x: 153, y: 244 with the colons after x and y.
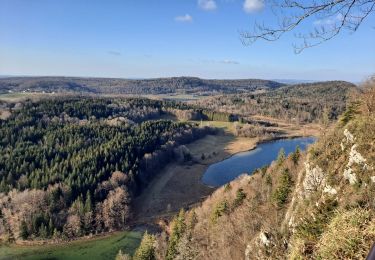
x: 240, y: 196
x: 122, y: 256
x: 227, y: 187
x: 350, y: 112
x: 220, y: 209
x: 311, y: 228
x: 269, y: 180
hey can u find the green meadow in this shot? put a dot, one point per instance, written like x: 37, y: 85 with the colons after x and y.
x: 96, y: 248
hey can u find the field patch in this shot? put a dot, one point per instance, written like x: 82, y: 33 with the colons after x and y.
x: 97, y: 248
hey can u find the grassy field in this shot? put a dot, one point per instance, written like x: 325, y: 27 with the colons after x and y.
x: 97, y: 248
x: 176, y: 97
x: 17, y: 96
x: 226, y: 126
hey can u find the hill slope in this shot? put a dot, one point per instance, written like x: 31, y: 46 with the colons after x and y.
x: 130, y: 86
x: 301, y: 102
x: 318, y: 205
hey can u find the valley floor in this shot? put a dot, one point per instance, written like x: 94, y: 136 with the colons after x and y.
x: 179, y: 185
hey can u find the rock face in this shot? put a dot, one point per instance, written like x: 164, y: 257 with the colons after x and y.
x: 263, y: 238
x: 350, y: 176
x: 355, y: 158
x: 314, y: 179
x: 258, y: 247
x: 328, y: 189
x: 349, y: 137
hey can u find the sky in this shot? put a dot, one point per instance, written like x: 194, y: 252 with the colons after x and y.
x: 163, y: 38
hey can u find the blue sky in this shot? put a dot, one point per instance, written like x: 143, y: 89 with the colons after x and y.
x: 161, y: 38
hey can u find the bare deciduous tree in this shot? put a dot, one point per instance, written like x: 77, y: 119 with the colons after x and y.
x: 331, y: 18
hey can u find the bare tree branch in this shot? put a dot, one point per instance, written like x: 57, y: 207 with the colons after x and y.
x: 331, y: 17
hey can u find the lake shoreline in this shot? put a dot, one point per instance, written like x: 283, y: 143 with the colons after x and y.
x: 173, y: 179
x: 221, y: 170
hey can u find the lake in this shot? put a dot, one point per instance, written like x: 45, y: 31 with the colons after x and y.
x: 227, y: 170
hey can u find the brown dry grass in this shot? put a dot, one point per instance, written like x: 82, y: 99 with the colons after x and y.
x: 349, y: 236
x: 179, y: 185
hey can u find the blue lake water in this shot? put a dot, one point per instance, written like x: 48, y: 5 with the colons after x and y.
x: 227, y: 170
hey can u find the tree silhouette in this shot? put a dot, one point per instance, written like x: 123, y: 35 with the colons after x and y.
x: 331, y: 18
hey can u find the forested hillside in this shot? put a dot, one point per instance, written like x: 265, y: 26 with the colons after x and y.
x: 313, y: 205
x: 71, y: 167
x: 129, y: 86
x: 299, y: 103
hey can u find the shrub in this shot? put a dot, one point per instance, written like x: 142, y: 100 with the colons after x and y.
x: 220, y: 209
x: 240, y: 196
x: 311, y: 228
x: 122, y: 256
x: 350, y: 112
x: 269, y: 180
x: 264, y: 170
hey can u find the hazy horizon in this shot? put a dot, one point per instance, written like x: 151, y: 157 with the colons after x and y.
x: 151, y: 39
x: 284, y: 80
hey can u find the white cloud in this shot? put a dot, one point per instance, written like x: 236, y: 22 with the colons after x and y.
x: 208, y: 5
x: 251, y: 6
x: 184, y: 18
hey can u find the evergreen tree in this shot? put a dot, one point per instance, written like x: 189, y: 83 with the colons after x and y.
x: 24, y: 232
x: 296, y: 155
x: 43, y: 231
x: 50, y: 227
x: 220, y: 209
x: 88, y: 203
x: 281, y: 156
x: 146, y: 250
x: 178, y: 229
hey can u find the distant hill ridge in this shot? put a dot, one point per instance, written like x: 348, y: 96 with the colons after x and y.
x: 189, y: 85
